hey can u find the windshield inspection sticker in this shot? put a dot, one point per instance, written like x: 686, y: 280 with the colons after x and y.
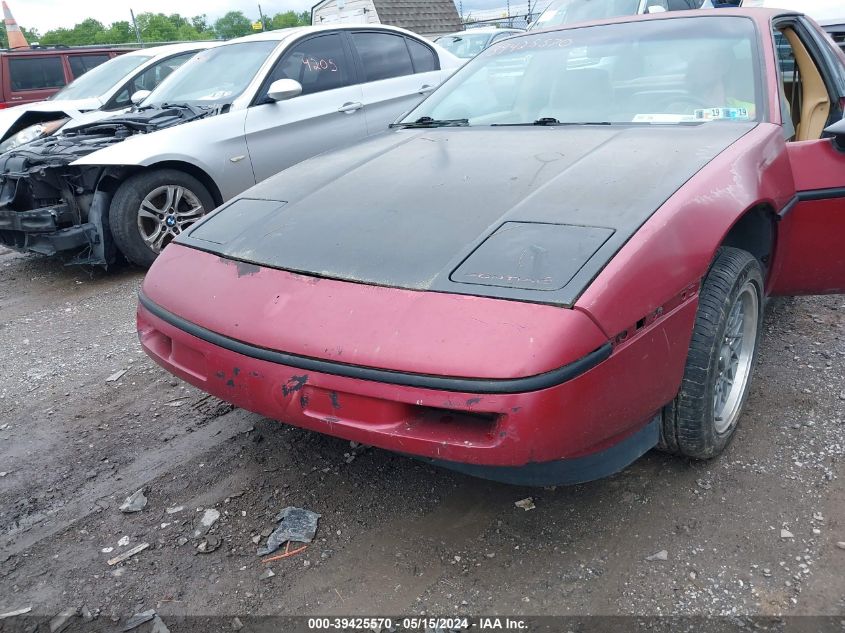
x: 722, y: 114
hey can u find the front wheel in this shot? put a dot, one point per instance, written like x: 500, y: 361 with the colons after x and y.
x: 702, y: 419
x: 152, y: 208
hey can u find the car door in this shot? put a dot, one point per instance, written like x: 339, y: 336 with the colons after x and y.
x: 810, y: 253
x: 327, y: 113
x: 397, y: 72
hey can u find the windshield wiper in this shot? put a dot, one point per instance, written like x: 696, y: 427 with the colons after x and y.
x: 427, y: 121
x: 547, y: 120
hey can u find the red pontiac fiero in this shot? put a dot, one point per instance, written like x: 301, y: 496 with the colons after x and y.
x: 556, y: 262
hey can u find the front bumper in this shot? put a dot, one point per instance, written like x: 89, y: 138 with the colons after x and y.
x: 38, y: 231
x: 586, y: 427
x: 53, y: 230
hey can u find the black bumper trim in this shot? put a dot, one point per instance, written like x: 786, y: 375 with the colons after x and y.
x: 566, y: 472
x: 34, y: 221
x: 360, y: 372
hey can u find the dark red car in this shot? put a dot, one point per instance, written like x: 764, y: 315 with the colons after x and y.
x: 556, y: 262
x: 28, y: 75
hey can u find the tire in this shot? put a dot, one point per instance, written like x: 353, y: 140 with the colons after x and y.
x: 703, y: 418
x: 159, y: 221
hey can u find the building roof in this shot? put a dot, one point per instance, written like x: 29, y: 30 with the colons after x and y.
x: 428, y: 17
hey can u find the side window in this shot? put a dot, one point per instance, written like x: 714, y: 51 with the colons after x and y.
x: 81, y: 64
x: 319, y: 63
x: 383, y: 55
x: 149, y: 79
x: 423, y: 57
x: 36, y: 73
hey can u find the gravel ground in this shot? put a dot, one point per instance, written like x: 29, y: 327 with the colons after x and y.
x: 752, y: 533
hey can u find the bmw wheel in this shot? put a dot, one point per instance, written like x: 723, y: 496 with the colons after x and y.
x: 702, y: 419
x: 151, y: 208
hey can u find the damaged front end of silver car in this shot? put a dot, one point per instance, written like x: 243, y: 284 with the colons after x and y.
x: 52, y: 207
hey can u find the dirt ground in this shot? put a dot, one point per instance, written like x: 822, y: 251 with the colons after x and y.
x: 754, y: 532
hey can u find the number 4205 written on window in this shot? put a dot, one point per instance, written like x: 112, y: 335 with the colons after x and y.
x: 316, y: 65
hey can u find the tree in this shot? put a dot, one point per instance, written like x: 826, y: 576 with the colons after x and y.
x: 157, y: 27
x: 284, y: 20
x: 233, y: 24
x: 119, y: 32
x: 201, y: 25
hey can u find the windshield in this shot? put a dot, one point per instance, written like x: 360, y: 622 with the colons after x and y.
x: 464, y: 45
x: 684, y: 70
x: 561, y: 12
x: 214, y: 76
x: 99, y: 80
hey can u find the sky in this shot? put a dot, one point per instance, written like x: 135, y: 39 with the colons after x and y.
x: 49, y: 14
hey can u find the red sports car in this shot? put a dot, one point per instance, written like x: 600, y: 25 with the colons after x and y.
x: 556, y: 262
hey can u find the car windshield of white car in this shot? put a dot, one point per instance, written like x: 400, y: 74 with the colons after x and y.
x: 679, y: 71
x: 569, y: 11
x: 98, y: 80
x: 464, y: 45
x: 215, y: 76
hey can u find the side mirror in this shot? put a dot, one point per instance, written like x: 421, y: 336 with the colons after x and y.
x: 655, y: 8
x: 837, y: 130
x: 138, y: 96
x: 284, y: 89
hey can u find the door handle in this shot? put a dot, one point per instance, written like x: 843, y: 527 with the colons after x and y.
x: 425, y: 89
x: 350, y: 106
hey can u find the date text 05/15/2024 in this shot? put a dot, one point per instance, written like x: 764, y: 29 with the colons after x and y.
x: 418, y: 624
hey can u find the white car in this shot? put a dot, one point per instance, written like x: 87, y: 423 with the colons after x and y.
x: 225, y: 120
x: 469, y: 43
x: 104, y: 89
x: 830, y: 14
x: 560, y: 12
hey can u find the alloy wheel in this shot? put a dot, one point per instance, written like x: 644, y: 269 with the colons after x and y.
x: 165, y: 212
x: 733, y: 369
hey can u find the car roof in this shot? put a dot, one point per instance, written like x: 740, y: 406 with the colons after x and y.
x: 169, y: 49
x: 296, y: 31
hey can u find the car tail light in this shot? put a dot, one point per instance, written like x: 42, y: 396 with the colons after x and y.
x: 3, y: 105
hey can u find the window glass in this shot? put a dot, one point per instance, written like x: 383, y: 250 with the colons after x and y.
x: 685, y: 70
x: 569, y: 11
x: 503, y: 35
x: 36, y: 73
x: 215, y: 76
x: 102, y: 78
x: 464, y: 45
x: 423, y: 57
x: 319, y: 64
x: 81, y: 64
x: 149, y: 79
x: 383, y: 55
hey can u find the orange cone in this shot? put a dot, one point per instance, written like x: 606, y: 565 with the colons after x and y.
x: 16, y: 37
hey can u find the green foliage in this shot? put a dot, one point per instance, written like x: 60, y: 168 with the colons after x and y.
x: 233, y: 24
x: 158, y: 27
x: 288, y: 19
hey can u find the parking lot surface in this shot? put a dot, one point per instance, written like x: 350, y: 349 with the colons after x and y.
x: 753, y: 532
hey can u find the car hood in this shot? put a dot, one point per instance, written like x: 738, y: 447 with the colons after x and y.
x: 530, y: 214
x: 15, y: 119
x: 93, y: 131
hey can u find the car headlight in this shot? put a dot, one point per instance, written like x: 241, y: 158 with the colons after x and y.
x: 31, y: 133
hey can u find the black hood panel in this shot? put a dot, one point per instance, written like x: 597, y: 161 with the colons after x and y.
x: 484, y: 211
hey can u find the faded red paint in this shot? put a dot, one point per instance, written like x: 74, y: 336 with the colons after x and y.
x: 653, y: 280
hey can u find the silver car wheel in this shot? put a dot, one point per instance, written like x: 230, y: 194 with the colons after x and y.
x: 165, y: 212
x: 733, y: 369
